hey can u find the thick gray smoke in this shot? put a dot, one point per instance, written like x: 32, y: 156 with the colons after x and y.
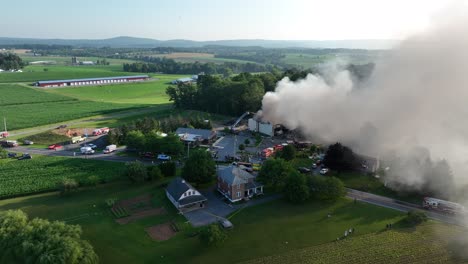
x: 413, y: 108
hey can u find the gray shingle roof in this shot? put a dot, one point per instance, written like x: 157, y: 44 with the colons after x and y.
x: 234, y: 175
x: 177, y: 187
x: 192, y: 199
x: 204, y: 133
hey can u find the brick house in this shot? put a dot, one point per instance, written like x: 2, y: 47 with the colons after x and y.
x: 237, y: 184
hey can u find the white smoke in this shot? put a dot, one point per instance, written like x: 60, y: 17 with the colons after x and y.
x: 416, y: 97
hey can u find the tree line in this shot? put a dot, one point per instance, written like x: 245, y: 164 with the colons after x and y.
x: 10, y: 61
x: 170, y: 66
x: 145, y: 134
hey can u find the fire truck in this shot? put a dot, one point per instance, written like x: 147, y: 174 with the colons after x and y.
x: 442, y: 206
x: 3, y: 134
x: 268, y: 152
x: 100, y: 131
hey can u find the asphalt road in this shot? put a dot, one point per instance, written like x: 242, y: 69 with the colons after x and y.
x: 402, y: 206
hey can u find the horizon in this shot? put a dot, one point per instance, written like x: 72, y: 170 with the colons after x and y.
x: 296, y: 20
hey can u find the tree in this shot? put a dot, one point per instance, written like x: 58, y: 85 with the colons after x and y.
x: 136, y: 171
x: 212, y: 235
x: 241, y: 147
x: 414, y: 218
x: 274, y: 172
x: 168, y: 169
x: 326, y: 188
x: 135, y: 140
x: 288, y: 153
x: 154, y: 173
x: 41, y: 241
x: 67, y: 186
x: 340, y: 158
x: 199, y: 168
x: 295, y: 188
x: 246, y: 141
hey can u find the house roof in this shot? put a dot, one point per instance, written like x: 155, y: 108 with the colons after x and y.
x: 203, y: 133
x: 94, y: 79
x: 192, y: 199
x: 234, y: 175
x: 177, y: 187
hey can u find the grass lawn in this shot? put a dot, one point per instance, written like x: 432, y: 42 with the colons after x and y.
x: 259, y: 231
x: 425, y: 244
x: 42, y: 173
x: 33, y: 73
x: 366, y: 183
x: 150, y: 92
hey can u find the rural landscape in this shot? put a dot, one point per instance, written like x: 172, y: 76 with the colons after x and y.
x: 234, y: 149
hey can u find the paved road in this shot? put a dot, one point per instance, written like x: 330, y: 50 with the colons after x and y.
x: 401, y: 206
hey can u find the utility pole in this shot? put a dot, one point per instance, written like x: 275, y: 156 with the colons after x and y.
x: 188, y: 149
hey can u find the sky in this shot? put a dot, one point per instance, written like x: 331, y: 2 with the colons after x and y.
x: 217, y: 19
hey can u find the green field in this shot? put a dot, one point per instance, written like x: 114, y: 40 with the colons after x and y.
x: 19, y: 177
x: 35, y: 73
x: 259, y: 231
x: 426, y: 244
x: 17, y: 95
x: 151, y: 92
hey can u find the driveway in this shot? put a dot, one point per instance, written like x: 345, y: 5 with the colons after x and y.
x: 214, y: 210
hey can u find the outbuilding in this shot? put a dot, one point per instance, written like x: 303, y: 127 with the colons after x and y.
x: 184, y: 196
x: 91, y: 81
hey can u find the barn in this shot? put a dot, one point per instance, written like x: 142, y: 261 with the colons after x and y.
x: 91, y: 81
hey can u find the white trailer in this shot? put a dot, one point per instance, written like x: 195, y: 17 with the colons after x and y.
x: 87, y: 150
x: 110, y: 149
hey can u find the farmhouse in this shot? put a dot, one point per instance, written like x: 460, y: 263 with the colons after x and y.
x: 194, y: 78
x: 91, y: 81
x: 183, y: 196
x: 237, y: 184
x: 196, y: 136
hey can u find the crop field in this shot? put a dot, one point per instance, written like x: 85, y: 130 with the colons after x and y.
x: 28, y: 107
x: 422, y: 245
x: 149, y: 92
x: 20, y: 177
x: 33, y: 73
x: 66, y: 60
x: 20, y: 95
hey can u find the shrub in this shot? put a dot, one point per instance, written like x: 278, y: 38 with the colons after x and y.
x: 67, y: 186
x: 3, y: 153
x: 168, y: 169
x: 212, y: 235
x: 154, y: 173
x: 111, y: 201
x: 246, y: 141
x: 414, y: 218
x: 92, y: 180
x: 136, y: 171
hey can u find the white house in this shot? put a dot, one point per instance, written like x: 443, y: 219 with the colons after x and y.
x: 184, y: 196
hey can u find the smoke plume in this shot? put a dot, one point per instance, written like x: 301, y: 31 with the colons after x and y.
x: 412, y: 109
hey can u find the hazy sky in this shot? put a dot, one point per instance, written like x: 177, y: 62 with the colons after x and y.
x: 216, y: 19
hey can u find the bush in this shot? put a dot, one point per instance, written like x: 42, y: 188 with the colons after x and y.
x: 212, y: 235
x: 168, y: 169
x: 326, y: 188
x: 136, y: 171
x: 3, y: 153
x: 154, y: 173
x: 414, y: 218
x: 241, y: 147
x: 295, y: 188
x: 111, y: 201
x: 92, y: 180
x: 67, y: 186
x: 246, y: 141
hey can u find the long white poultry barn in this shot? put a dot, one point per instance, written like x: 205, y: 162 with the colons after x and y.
x: 265, y: 128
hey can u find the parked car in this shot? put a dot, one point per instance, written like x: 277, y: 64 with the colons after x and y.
x: 12, y: 155
x: 324, y: 171
x: 55, y: 147
x: 147, y: 155
x: 77, y: 139
x: 303, y: 170
x: 28, y: 142
x: 314, y: 166
x: 87, y: 150
x: 164, y: 157
x: 62, y: 126
x: 226, y: 224
x: 8, y: 143
x: 91, y: 145
x: 25, y: 156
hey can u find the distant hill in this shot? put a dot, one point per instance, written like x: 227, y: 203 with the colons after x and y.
x: 132, y: 42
